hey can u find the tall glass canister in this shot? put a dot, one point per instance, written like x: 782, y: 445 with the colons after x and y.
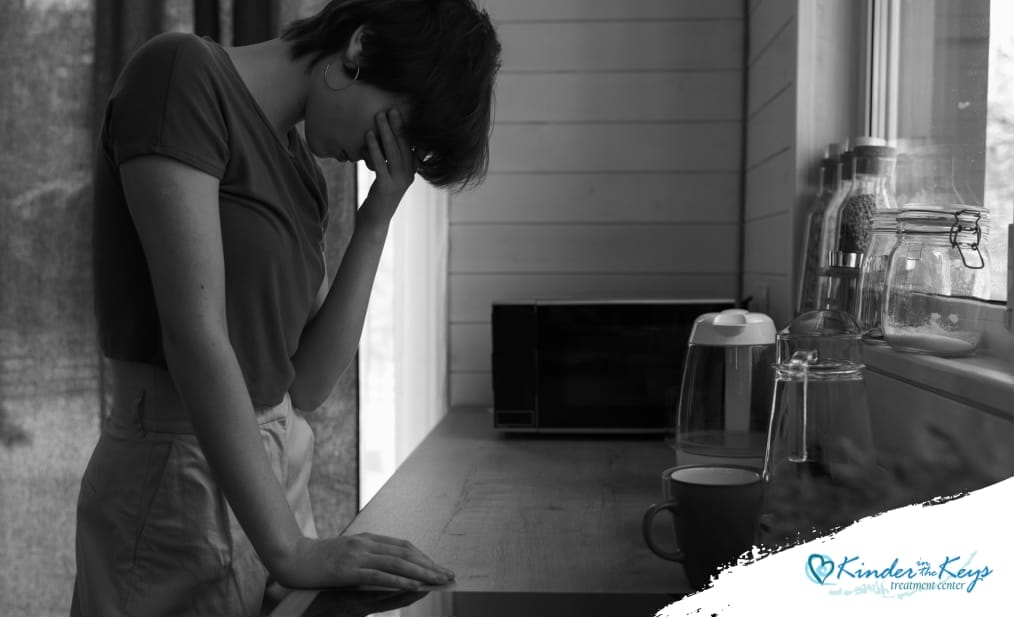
x: 828, y: 185
x: 873, y: 270
x: 830, y: 223
x: 870, y: 192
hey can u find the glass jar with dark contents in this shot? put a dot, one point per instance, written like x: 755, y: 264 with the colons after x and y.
x: 828, y: 186
x: 870, y: 192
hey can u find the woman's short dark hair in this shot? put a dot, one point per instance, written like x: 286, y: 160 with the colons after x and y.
x: 441, y: 54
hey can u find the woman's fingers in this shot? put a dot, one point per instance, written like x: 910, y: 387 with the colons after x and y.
x: 384, y: 579
x: 404, y: 148
x: 410, y: 552
x: 374, y: 153
x: 401, y: 567
x: 388, y: 154
x: 395, y: 557
x: 388, y: 142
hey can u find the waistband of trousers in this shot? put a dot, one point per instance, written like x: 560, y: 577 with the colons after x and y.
x: 145, y: 396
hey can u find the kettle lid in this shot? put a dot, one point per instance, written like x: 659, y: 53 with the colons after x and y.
x: 732, y: 327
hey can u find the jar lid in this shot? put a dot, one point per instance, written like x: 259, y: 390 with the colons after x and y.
x: 926, y: 209
x: 885, y: 219
x: 732, y: 327
x: 946, y: 216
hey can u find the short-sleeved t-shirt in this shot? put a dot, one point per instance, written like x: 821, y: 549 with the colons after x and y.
x: 180, y: 96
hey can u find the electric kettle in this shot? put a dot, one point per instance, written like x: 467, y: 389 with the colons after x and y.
x: 726, y: 389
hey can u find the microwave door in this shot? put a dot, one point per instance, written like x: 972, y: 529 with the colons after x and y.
x: 607, y: 366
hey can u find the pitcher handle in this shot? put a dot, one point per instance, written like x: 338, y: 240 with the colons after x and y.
x: 646, y: 530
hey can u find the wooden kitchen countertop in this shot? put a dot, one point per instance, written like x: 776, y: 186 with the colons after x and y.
x: 529, y: 513
x: 526, y: 522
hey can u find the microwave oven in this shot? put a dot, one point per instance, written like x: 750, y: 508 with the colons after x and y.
x: 591, y: 366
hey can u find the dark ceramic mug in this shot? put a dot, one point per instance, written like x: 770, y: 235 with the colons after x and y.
x: 716, y: 512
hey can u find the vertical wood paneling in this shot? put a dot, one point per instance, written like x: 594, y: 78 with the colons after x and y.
x: 771, y: 74
x: 770, y: 233
x: 770, y: 294
x: 767, y: 19
x: 770, y: 186
x: 765, y: 247
x: 771, y: 130
x: 614, y: 164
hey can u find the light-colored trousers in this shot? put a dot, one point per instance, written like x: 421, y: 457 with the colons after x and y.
x: 155, y: 535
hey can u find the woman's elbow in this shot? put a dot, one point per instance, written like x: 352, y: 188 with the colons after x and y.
x: 306, y: 399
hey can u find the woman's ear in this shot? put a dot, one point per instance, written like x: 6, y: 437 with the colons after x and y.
x: 355, y: 47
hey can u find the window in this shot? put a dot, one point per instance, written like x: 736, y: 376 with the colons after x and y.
x: 942, y: 89
x: 402, y: 364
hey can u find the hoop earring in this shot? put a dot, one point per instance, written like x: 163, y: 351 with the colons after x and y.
x: 328, y: 84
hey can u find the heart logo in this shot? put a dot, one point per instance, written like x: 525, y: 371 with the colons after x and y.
x: 819, y: 568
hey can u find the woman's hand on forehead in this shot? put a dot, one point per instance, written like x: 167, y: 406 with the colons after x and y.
x: 392, y: 159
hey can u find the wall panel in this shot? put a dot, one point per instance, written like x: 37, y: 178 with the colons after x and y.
x: 768, y: 19
x: 641, y: 96
x: 770, y: 74
x: 770, y: 294
x: 766, y: 251
x: 621, y: 45
x: 770, y: 130
x: 615, y: 164
x: 472, y: 296
x: 771, y: 193
x: 587, y: 10
x: 635, y: 249
x: 770, y: 187
x: 531, y: 197
x: 629, y: 147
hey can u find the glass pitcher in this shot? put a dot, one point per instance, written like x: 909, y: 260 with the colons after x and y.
x: 819, y: 435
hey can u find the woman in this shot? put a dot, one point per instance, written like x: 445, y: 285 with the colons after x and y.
x: 212, y: 300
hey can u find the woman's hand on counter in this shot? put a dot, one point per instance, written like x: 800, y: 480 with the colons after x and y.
x: 361, y: 560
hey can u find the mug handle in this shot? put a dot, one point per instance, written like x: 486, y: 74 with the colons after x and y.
x: 646, y: 530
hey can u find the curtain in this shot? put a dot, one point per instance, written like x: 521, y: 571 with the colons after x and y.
x: 58, y: 62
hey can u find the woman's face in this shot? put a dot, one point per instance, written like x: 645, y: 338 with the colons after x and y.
x: 336, y: 122
x: 340, y: 110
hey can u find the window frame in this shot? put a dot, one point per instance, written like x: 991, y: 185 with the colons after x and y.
x: 984, y: 381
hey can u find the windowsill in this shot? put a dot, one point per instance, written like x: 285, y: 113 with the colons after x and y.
x: 982, y: 381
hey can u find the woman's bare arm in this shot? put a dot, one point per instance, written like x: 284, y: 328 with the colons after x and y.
x: 176, y: 211
x: 329, y: 342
